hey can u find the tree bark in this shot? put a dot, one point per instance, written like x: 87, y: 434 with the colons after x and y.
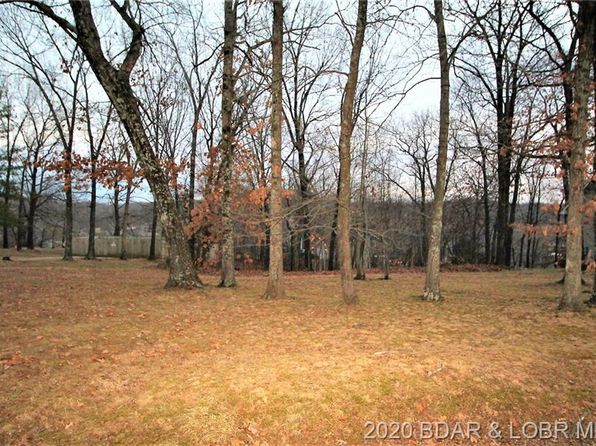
x: 592, y: 300
x: 345, y: 159
x: 228, y: 143
x: 503, y: 247
x: 432, y: 287
x: 275, y: 287
x: 572, y: 298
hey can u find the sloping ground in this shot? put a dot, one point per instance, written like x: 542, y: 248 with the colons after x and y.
x: 99, y: 353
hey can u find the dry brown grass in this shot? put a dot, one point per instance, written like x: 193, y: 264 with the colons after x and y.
x: 100, y: 353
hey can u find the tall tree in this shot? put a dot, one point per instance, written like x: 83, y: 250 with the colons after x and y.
x: 432, y: 288
x: 345, y: 158
x: 503, y: 31
x: 228, y: 143
x: 276, y: 255
x: 572, y: 298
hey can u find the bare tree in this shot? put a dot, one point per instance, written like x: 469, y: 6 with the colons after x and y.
x: 572, y: 298
x: 345, y: 158
x: 432, y: 288
x: 228, y: 142
x: 276, y: 257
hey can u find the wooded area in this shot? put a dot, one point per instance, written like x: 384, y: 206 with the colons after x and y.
x: 293, y: 132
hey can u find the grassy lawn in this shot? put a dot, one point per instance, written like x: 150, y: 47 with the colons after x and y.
x: 100, y: 353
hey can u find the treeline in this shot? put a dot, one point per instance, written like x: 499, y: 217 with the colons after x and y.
x: 307, y: 128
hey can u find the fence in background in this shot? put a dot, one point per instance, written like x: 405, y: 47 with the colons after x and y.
x: 106, y: 246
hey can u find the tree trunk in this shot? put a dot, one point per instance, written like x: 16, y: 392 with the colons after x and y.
x: 116, y: 83
x: 593, y: 297
x: 33, y: 199
x: 275, y: 287
x: 124, y: 234
x: 486, y: 208
x: 423, y: 245
x: 304, y: 209
x: 21, y: 212
x: 432, y: 288
x: 116, y: 206
x: 513, y: 205
x: 192, y: 241
x: 304, y: 193
x: 68, y: 211
x: 92, y: 210
x: 331, y: 261
x: 228, y: 143
x: 345, y: 158
x: 31, y: 216
x: 362, y: 247
x: 503, y: 248
x: 572, y: 298
x: 505, y: 98
x: 536, y: 220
